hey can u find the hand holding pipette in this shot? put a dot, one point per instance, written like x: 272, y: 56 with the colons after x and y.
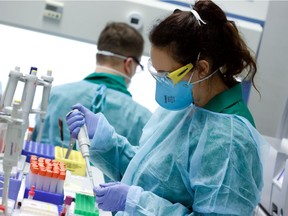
x: 84, y: 144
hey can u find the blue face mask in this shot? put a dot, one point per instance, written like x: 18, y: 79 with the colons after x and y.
x: 175, y: 97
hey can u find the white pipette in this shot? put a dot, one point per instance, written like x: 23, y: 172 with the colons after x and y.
x: 84, y: 144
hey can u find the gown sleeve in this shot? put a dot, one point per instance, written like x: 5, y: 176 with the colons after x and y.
x: 109, y: 151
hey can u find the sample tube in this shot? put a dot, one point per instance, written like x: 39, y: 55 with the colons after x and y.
x: 33, y: 174
x: 60, y: 183
x: 41, y: 178
x: 31, y: 192
x: 54, y: 180
x: 47, y: 181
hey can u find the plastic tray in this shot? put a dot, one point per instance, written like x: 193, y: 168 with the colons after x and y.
x: 75, y: 163
x: 14, y: 186
x: 38, y: 149
x: 85, y: 205
x: 45, y: 196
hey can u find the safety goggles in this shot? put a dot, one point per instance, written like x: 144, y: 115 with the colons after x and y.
x: 108, y: 53
x: 175, y: 76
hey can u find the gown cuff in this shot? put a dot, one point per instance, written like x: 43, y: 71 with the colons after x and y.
x: 133, y: 198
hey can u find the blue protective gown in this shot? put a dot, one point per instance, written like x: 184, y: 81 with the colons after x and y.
x: 127, y: 117
x: 189, y: 162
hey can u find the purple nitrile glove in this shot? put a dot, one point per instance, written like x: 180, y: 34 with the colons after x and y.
x: 111, y: 196
x: 78, y: 117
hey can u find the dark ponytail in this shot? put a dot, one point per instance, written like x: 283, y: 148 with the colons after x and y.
x: 218, y: 41
x: 222, y: 42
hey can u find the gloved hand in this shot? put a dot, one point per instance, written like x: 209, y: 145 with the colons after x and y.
x: 111, y: 196
x: 76, y: 119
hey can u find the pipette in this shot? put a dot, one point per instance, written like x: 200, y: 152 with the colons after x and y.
x: 84, y: 144
x: 47, y: 84
x: 60, y: 125
x: 70, y: 147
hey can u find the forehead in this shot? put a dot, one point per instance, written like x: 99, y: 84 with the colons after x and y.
x: 161, y: 60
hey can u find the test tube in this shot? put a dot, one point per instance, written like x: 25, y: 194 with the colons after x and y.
x: 41, y: 178
x: 33, y: 158
x: 47, y: 181
x: 67, y: 204
x: 31, y: 192
x: 33, y: 174
x: 54, y: 180
x: 60, y: 183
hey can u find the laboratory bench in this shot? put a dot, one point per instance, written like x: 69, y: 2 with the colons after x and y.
x: 75, y: 186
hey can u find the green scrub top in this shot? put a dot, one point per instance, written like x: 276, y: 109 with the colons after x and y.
x: 123, y: 113
x: 110, y: 80
x: 230, y: 102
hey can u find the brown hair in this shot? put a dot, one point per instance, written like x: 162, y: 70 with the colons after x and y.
x: 218, y: 41
x: 122, y: 39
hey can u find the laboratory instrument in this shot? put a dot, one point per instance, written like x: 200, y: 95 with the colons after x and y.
x: 13, y: 145
x: 16, y: 115
x: 84, y: 144
x: 70, y: 147
x: 47, y: 85
x: 274, y: 199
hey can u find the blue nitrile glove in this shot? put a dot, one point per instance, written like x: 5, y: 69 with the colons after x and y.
x: 76, y: 119
x: 111, y: 196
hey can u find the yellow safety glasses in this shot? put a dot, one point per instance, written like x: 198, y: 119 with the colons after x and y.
x: 175, y: 76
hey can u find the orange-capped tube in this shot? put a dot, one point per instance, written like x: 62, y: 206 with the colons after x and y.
x: 54, y: 180
x: 33, y: 175
x: 61, y: 179
x: 47, y: 180
x: 54, y: 161
x: 41, y: 164
x: 41, y: 178
x: 62, y: 164
x: 49, y: 167
x: 33, y: 158
x: 41, y: 159
x: 33, y: 162
x: 47, y: 161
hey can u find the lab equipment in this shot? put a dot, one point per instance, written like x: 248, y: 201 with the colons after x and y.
x: 111, y: 196
x: 47, y: 175
x: 66, y: 206
x: 17, y: 118
x: 32, y: 207
x: 31, y: 81
x: 13, y: 145
x: 79, y: 113
x: 70, y: 147
x: 7, y: 98
x: 31, y: 193
x: 38, y: 149
x: 47, y: 84
x: 84, y: 205
x: 84, y: 142
x: 274, y: 199
x: 60, y: 125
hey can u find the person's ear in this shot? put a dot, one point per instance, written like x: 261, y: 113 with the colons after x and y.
x: 203, y: 68
x: 129, y: 67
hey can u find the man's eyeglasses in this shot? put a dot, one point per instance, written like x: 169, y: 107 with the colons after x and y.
x: 175, y: 76
x: 108, y: 53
